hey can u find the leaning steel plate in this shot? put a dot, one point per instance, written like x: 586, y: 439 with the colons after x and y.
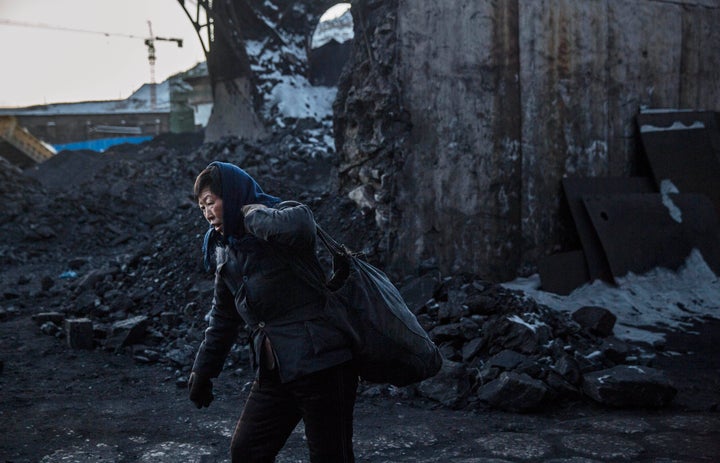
x: 639, y: 232
x: 576, y: 188
x: 683, y: 155
x: 669, y: 119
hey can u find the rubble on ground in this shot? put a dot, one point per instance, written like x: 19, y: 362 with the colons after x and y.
x: 103, y: 251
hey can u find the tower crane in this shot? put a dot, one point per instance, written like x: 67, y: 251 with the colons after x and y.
x: 149, y: 43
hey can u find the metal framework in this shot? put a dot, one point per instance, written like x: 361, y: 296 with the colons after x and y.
x: 200, y: 14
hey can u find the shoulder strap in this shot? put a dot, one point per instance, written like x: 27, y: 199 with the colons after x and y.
x: 341, y: 259
x: 335, y: 248
x: 340, y: 254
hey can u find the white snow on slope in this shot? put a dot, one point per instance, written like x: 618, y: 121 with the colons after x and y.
x: 339, y: 28
x: 297, y: 98
x: 661, y: 299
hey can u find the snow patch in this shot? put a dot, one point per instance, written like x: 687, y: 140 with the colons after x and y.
x: 296, y: 98
x: 603, y: 378
x: 666, y: 188
x: 660, y: 299
x: 676, y: 126
x: 334, y: 25
x: 637, y: 368
x: 532, y: 325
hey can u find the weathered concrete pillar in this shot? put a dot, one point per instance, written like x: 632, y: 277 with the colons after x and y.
x: 459, y: 192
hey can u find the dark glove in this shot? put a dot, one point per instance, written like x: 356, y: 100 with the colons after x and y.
x: 200, y: 390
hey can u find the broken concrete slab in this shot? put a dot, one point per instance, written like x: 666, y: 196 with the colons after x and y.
x: 569, y: 369
x: 514, y: 392
x: 597, y: 320
x: 127, y: 332
x: 629, y: 386
x: 507, y: 360
x: 449, y: 386
x: 444, y: 333
x: 562, y: 387
x: 472, y: 348
x: 43, y: 317
x: 516, y: 334
x: 614, y: 349
x: 79, y: 333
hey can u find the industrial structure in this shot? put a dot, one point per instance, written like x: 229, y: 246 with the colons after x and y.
x: 19, y: 146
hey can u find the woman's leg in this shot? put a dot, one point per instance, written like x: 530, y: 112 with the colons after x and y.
x: 327, y: 400
x: 269, y: 416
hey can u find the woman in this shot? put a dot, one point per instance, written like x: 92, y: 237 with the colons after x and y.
x: 303, y: 364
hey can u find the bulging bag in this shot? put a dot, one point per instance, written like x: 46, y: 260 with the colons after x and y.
x: 389, y: 345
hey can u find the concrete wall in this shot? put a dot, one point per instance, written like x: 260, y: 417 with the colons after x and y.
x: 505, y: 98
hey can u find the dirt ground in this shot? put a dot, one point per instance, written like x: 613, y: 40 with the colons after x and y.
x: 62, y: 405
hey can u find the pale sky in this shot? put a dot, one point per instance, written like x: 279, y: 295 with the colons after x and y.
x: 39, y: 65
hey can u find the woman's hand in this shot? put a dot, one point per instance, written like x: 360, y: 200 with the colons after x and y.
x: 200, y: 390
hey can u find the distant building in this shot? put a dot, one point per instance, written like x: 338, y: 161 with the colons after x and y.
x: 182, y: 104
x: 199, y: 96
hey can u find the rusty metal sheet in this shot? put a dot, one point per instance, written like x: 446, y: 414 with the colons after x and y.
x: 639, y: 232
x: 578, y: 188
x: 680, y: 149
x: 561, y: 273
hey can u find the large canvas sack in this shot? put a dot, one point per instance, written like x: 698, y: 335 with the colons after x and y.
x: 389, y: 345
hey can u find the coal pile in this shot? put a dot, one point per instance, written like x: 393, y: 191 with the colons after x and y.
x: 103, y: 250
x: 505, y: 351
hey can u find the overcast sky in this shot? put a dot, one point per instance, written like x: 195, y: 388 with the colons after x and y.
x: 40, y: 65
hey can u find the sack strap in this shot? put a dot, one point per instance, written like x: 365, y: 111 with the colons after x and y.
x: 340, y: 254
x: 335, y: 248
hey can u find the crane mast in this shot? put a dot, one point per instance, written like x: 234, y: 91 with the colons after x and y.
x: 150, y: 43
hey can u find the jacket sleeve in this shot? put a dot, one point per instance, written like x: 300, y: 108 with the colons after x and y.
x: 292, y: 226
x: 221, y: 333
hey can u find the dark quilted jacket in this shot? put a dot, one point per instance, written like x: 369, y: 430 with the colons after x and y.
x: 255, y: 285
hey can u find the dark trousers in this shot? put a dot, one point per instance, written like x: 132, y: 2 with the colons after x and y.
x: 323, y: 400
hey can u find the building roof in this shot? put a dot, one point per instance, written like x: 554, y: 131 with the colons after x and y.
x: 138, y: 102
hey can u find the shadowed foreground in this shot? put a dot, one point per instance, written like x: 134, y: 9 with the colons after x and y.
x: 60, y: 405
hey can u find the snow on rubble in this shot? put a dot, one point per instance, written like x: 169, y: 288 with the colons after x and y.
x: 660, y: 299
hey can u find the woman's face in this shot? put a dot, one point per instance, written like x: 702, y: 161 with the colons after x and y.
x: 212, y: 209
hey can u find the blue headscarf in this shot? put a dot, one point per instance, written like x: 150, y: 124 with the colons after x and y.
x: 238, y: 190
